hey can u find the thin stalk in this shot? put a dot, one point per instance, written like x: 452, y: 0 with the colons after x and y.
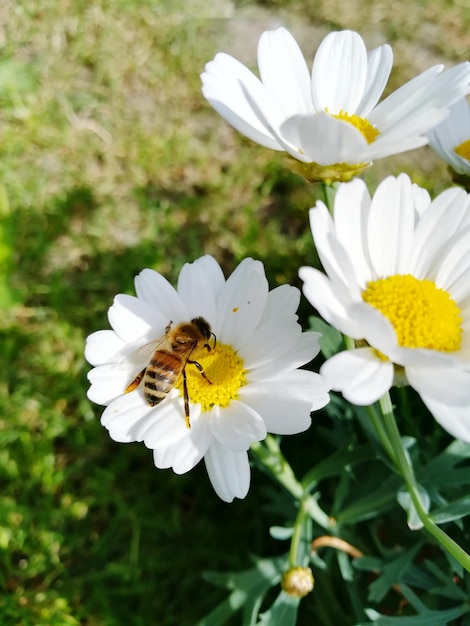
x: 271, y: 457
x: 329, y: 192
x: 403, y: 466
x: 297, y: 536
x: 381, y: 432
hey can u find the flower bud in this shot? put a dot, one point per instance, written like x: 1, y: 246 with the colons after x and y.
x: 298, y: 581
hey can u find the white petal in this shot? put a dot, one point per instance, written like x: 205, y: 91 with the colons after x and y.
x: 425, y: 93
x: 108, y: 382
x: 379, y: 66
x: 454, y: 419
x: 459, y: 289
x: 379, y: 333
x: 167, y: 425
x: 133, y: 319
x: 199, y: 285
x: 375, y: 328
x: 446, y: 217
x: 420, y: 357
x: 226, y: 83
x: 269, y: 341
x: 286, y: 406
x: 101, y: 346
x: 385, y: 146
x: 359, y: 374
x: 391, y: 226
x: 228, y: 470
x: 322, y: 139
x: 422, y: 200
x: 186, y: 453
x: 301, y: 352
x: 241, y: 303
x: 444, y: 385
x: 284, y: 72
x: 411, y: 128
x: 339, y: 72
x: 123, y: 415
x: 284, y: 298
x: 454, y: 130
x: 320, y: 292
x: 155, y: 290
x: 237, y: 425
x: 333, y: 256
x: 453, y: 274
x: 405, y: 100
x: 351, y: 209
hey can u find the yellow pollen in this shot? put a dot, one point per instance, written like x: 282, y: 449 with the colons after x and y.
x: 422, y: 315
x: 361, y: 123
x: 224, y: 368
x: 463, y: 150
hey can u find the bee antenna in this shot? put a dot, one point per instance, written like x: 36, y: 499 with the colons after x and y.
x: 215, y: 339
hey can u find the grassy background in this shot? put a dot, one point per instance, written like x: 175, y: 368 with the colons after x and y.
x: 112, y: 161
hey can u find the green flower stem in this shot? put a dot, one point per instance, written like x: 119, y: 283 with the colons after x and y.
x: 381, y: 432
x: 329, y: 191
x: 294, y: 556
x: 270, y: 455
x: 405, y: 469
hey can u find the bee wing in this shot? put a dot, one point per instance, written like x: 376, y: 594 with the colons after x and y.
x: 139, y: 356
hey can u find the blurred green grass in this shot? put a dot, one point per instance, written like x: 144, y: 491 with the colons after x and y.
x: 112, y: 162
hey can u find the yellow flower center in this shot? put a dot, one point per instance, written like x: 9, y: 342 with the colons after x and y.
x: 224, y: 368
x: 361, y: 123
x: 463, y: 150
x: 422, y: 315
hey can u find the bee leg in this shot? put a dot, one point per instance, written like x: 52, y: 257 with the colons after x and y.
x: 201, y: 370
x: 136, y: 382
x: 186, y: 401
x: 207, y: 346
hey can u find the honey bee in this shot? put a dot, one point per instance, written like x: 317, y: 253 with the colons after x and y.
x: 170, y: 354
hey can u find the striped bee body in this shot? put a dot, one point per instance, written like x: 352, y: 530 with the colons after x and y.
x: 170, y: 355
x: 161, y: 375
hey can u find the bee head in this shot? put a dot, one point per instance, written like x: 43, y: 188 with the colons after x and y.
x: 203, y: 327
x: 205, y: 330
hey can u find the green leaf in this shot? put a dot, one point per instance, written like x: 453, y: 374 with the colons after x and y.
x: 282, y: 613
x: 375, y: 501
x: 442, y: 470
x: 429, y: 618
x: 281, y: 533
x: 331, y: 341
x: 442, y: 583
x: 392, y: 572
x: 452, y: 511
x: 336, y: 463
x: 404, y: 500
x: 248, y: 590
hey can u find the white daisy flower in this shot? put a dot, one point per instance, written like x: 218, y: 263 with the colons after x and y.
x: 397, y: 282
x: 329, y: 120
x: 242, y: 376
x: 451, y: 138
